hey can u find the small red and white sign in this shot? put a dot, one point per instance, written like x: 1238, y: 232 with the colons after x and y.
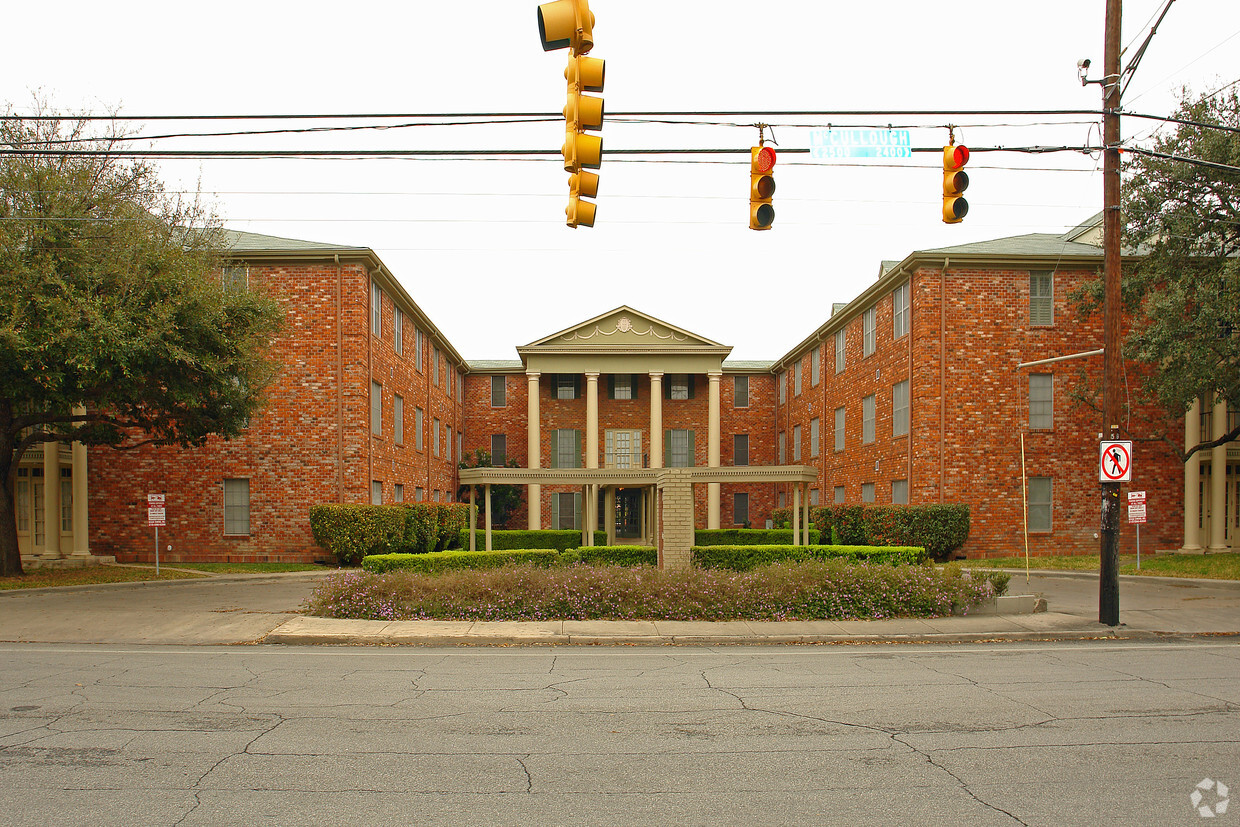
x: 1115, y: 461
x: 156, y: 516
x: 1136, y: 506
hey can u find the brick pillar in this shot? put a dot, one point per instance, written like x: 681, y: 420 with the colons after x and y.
x: 677, y: 523
x: 533, y: 434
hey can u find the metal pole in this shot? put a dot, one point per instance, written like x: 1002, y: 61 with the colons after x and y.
x: 1108, y: 579
x: 1138, y: 547
x: 157, y: 550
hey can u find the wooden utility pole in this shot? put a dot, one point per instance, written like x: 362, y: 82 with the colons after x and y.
x: 1108, y: 580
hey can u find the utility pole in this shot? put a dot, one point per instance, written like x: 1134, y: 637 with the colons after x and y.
x: 1108, y: 580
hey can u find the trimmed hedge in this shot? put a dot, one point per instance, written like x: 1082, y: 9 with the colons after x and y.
x: 743, y: 558
x: 613, y: 555
x: 940, y: 529
x: 521, y: 538
x: 353, y: 531
x: 434, y: 562
x: 748, y: 537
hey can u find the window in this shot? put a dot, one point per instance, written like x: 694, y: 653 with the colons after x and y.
x: 566, y: 385
x: 867, y: 492
x: 623, y: 448
x: 796, y: 378
x: 839, y: 494
x: 435, y: 361
x: 499, y: 450
x: 1041, y: 400
x: 565, y: 448
x: 566, y: 510
x: 398, y: 493
x: 419, y: 494
x: 376, y: 408
x: 435, y: 436
x: 398, y: 330
x: 899, y: 492
x: 679, y: 448
x: 839, y: 429
x: 783, y: 499
x: 899, y: 311
x: 621, y: 386
x: 783, y: 393
x: 398, y: 419
x: 783, y: 448
x: 867, y: 419
x: 235, y: 279
x: 499, y: 391
x: 66, y: 500
x: 813, y: 437
x: 1041, y: 298
x: 460, y: 443
x: 740, y: 394
x: 418, y: 442
x: 1040, y: 500
x: 869, y: 324
x: 839, y: 351
x: 237, y: 507
x: 813, y: 496
x: 740, y: 509
x: 740, y: 449
x: 376, y: 310
x: 796, y: 443
x: 436, y: 495
x: 679, y: 386
x: 899, y: 408
x: 417, y: 349
x: 815, y: 360
x: 448, y: 444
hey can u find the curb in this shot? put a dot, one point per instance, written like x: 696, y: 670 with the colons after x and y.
x: 204, y: 577
x: 1138, y: 578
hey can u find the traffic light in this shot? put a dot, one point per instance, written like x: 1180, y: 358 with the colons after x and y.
x: 569, y: 24
x: 955, y: 182
x: 761, y: 187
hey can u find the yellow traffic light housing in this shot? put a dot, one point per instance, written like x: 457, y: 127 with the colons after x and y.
x: 566, y: 24
x: 761, y: 187
x: 955, y: 182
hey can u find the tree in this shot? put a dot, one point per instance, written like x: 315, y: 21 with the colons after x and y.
x: 1181, y: 209
x: 116, y: 327
x: 504, y: 498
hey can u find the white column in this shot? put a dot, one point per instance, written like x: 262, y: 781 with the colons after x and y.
x: 609, y: 516
x: 1192, y: 479
x: 712, y: 447
x: 796, y: 514
x: 51, y: 500
x: 592, y: 420
x: 1218, y: 481
x: 533, y: 432
x: 805, y: 516
x: 487, y: 489
x: 473, y: 521
x: 656, y: 420
x: 81, y: 507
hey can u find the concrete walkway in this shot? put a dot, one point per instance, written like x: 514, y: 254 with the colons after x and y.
x: 239, y: 609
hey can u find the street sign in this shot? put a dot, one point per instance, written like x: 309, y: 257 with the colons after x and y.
x: 156, y: 516
x: 1115, y: 461
x: 1136, y: 507
x: 860, y: 143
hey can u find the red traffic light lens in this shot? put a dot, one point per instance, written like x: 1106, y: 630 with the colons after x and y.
x: 764, y: 160
x: 954, y: 157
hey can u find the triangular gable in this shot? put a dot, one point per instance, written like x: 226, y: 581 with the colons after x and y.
x: 621, y: 329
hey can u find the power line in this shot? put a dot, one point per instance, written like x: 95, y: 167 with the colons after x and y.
x: 1168, y: 119
x: 1193, y: 161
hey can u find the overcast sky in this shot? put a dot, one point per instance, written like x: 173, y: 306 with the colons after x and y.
x: 482, y: 246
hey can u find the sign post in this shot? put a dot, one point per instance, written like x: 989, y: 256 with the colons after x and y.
x: 156, y: 517
x: 1136, y: 515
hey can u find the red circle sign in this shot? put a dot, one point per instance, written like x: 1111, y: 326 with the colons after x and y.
x: 1116, y: 461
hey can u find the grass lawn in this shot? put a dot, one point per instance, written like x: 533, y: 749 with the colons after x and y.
x: 42, y: 578
x: 1224, y: 566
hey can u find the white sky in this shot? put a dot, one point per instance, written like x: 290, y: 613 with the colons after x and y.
x: 482, y: 246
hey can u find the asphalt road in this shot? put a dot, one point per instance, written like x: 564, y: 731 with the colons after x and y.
x: 1097, y: 732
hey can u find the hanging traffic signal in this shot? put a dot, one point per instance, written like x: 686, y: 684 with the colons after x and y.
x: 570, y: 24
x: 955, y: 182
x: 761, y: 187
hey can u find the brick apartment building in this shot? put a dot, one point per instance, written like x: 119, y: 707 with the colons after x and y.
x: 911, y: 393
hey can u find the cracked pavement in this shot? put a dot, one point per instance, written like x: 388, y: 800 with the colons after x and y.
x: 1052, y: 733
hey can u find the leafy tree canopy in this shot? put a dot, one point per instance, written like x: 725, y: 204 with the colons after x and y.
x: 115, y: 325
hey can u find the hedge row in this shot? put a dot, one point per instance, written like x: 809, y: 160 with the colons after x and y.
x: 440, y: 561
x: 558, y: 539
x: 940, y: 529
x: 353, y: 531
x: 743, y: 558
x: 748, y: 537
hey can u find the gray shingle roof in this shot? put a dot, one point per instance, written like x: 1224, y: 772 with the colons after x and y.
x: 242, y: 242
x: 1033, y: 244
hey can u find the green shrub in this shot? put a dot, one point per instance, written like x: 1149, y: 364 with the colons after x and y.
x: 353, y: 531
x: 744, y: 558
x: 748, y: 537
x: 781, y: 517
x: 614, y: 555
x: 940, y: 529
x: 434, y: 562
x: 434, y: 526
x: 519, y: 538
x: 999, y: 580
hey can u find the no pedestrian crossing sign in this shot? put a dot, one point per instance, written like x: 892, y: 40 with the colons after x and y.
x: 1115, y: 461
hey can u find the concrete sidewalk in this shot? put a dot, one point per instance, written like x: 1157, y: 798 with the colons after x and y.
x: 266, y: 608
